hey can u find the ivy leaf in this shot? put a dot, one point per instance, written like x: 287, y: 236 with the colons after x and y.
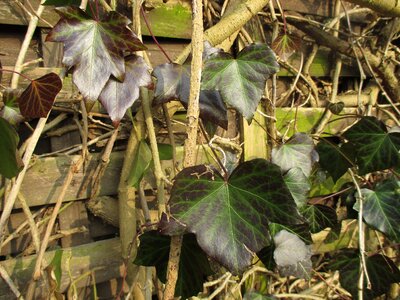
x: 336, y: 108
x: 298, y: 151
x: 298, y: 185
x: 241, y: 80
x: 141, y: 163
x: 334, y: 157
x: 286, y: 45
x: 10, y: 111
x: 193, y: 265
x: 38, y: 98
x: 301, y: 230
x: 118, y: 96
x: 381, y: 208
x: 320, y: 217
x: 381, y: 270
x: 10, y: 162
x: 165, y: 151
x: 94, y: 48
x: 173, y: 82
x: 266, y: 255
x: 292, y: 255
x: 230, y: 217
x: 375, y: 148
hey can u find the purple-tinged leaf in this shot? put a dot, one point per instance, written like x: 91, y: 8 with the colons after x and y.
x: 173, y: 82
x: 286, y: 45
x: 118, y: 96
x: 230, y: 217
x: 95, y: 48
x: 241, y: 80
x: 38, y: 98
x: 298, y: 152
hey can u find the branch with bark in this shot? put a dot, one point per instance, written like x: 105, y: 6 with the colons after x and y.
x: 385, y: 69
x: 384, y: 7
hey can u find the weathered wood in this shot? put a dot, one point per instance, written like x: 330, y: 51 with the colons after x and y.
x: 72, y: 217
x: 103, y: 257
x: 167, y: 18
x: 45, y: 178
x: 106, y: 208
x: 10, y: 42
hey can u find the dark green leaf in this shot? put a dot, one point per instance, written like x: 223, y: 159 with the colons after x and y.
x: 165, y: 151
x: 173, y: 82
x: 56, y: 264
x: 382, y: 208
x: 241, y: 80
x: 297, y: 152
x: 336, y: 108
x: 375, y: 149
x: 266, y: 255
x: 141, y: 163
x: 301, y: 230
x: 62, y: 2
x: 320, y: 217
x: 118, y: 96
x: 334, y: 157
x: 94, y: 48
x: 381, y: 270
x: 10, y: 162
x: 298, y: 185
x: 230, y: 218
x: 193, y: 265
x: 38, y: 98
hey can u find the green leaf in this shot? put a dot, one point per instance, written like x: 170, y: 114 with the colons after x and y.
x: 165, y: 151
x: 320, y: 217
x: 286, y: 45
x: 10, y: 162
x: 56, y: 264
x: 298, y: 185
x: 334, y: 157
x: 118, y: 96
x: 230, y: 217
x: 381, y: 208
x: 241, y: 80
x: 301, y: 230
x: 375, y: 148
x: 381, y: 270
x: 336, y: 108
x: 141, y: 163
x: 173, y: 82
x: 193, y: 265
x: 298, y: 151
x: 266, y: 255
x: 95, y: 48
x: 62, y: 2
x: 38, y: 98
x: 10, y: 111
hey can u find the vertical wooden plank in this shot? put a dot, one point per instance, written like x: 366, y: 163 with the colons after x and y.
x: 255, y: 137
x: 73, y: 217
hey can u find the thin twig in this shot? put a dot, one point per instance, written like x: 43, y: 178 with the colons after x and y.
x: 75, y: 166
x: 361, y: 241
x: 10, y: 283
